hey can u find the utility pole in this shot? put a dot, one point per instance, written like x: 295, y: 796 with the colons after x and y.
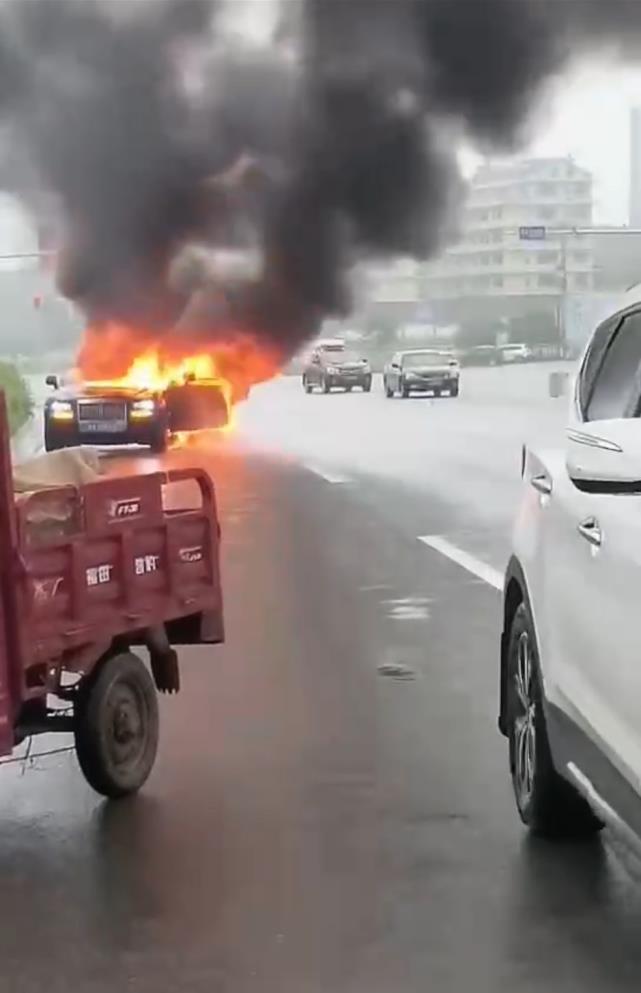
x: 564, y: 293
x: 564, y: 234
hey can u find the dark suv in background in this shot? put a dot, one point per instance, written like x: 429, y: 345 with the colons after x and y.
x: 336, y: 367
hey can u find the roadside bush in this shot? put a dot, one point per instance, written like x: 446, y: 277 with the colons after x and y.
x: 19, y: 402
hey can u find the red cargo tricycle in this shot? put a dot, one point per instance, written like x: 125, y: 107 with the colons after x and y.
x: 87, y: 573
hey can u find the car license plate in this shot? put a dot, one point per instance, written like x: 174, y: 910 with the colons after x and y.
x: 102, y: 427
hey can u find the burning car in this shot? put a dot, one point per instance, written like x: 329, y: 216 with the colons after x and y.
x: 132, y: 413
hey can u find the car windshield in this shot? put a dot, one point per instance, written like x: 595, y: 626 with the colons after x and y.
x: 422, y: 359
x: 343, y: 356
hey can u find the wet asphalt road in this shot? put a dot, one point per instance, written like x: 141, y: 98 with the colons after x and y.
x: 330, y: 812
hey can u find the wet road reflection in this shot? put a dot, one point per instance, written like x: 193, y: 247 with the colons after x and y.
x: 314, y: 825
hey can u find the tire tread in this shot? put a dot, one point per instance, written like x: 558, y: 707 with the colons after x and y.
x: 556, y: 809
x: 91, y: 694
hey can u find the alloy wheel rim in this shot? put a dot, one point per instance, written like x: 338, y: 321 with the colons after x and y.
x: 524, y: 721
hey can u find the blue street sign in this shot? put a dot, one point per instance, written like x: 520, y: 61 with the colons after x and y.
x: 532, y: 233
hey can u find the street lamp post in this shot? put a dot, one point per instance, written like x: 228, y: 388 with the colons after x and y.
x: 564, y: 292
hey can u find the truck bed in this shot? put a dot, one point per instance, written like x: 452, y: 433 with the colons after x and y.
x: 109, y: 560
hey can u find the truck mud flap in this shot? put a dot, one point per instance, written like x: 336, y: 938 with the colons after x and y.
x: 197, y: 629
x: 164, y: 660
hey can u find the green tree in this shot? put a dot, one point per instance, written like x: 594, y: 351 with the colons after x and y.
x: 18, y: 397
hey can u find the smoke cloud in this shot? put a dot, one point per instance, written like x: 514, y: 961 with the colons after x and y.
x: 205, y: 188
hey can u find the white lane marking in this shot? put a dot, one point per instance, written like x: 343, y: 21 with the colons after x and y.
x: 476, y: 566
x: 411, y: 608
x: 326, y: 474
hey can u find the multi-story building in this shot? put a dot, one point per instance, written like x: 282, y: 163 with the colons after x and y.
x: 388, y: 294
x: 493, y: 264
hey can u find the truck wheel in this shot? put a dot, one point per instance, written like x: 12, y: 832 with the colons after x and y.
x: 367, y: 385
x: 326, y: 385
x: 307, y: 386
x: 454, y: 390
x: 116, y: 726
x: 405, y: 390
x: 389, y: 392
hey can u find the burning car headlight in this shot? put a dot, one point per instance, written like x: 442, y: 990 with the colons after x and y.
x: 143, y: 408
x: 61, y: 410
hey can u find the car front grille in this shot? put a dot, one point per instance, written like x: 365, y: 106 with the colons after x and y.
x: 102, y: 410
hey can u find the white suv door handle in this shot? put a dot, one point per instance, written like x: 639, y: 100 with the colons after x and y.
x: 591, y: 531
x: 542, y: 483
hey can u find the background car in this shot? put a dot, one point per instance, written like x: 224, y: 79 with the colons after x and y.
x: 425, y: 370
x: 99, y: 414
x: 515, y: 353
x: 480, y: 355
x: 330, y: 368
x: 570, y: 659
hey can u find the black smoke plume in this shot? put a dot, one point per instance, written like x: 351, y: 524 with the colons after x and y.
x: 206, y: 188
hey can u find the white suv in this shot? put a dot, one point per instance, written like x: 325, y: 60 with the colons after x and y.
x: 571, y: 647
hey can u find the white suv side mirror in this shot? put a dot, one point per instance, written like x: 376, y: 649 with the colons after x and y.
x: 605, y: 454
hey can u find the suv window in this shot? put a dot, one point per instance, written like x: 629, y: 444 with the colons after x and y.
x: 592, y: 361
x: 615, y: 370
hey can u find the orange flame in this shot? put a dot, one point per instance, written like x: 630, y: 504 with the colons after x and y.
x: 150, y: 371
x: 115, y: 356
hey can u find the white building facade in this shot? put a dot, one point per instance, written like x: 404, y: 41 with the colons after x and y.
x: 492, y: 259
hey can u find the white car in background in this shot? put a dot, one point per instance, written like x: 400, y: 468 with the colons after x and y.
x: 570, y: 701
x: 514, y: 353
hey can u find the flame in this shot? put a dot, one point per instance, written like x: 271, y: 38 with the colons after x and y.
x: 114, y: 355
x: 194, y: 439
x: 150, y: 371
